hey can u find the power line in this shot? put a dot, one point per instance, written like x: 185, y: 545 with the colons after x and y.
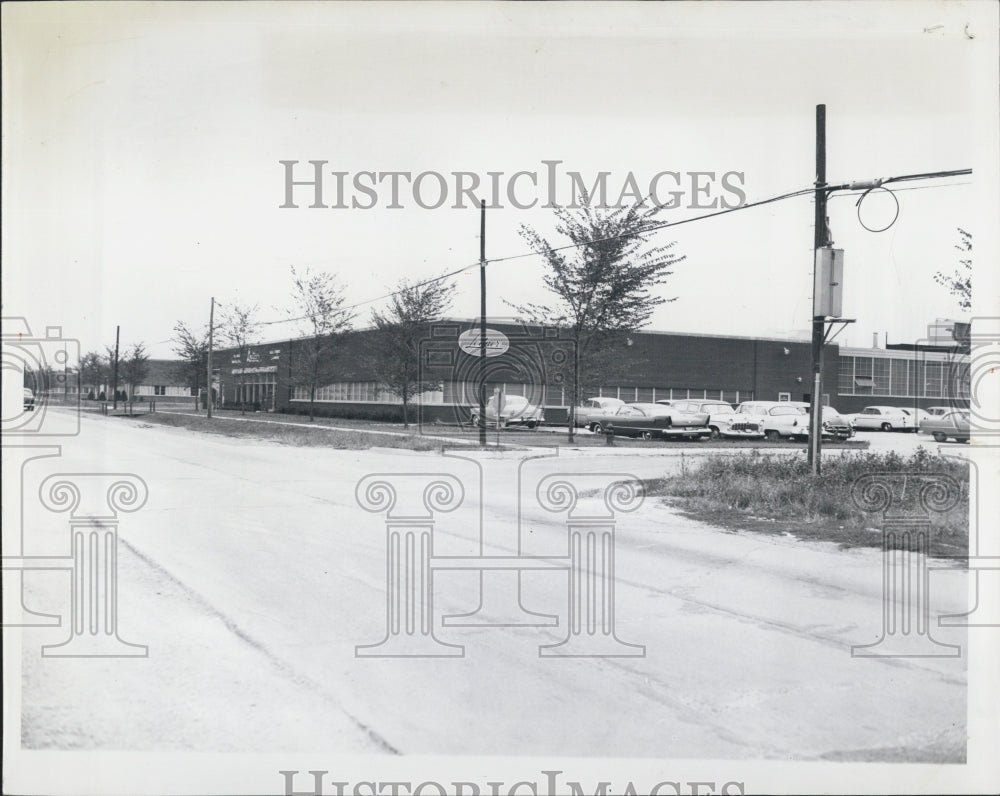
x: 536, y: 253
x: 911, y: 188
x: 844, y: 189
x: 378, y: 298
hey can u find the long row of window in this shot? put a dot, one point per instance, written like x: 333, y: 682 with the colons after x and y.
x: 904, y: 378
x: 464, y: 393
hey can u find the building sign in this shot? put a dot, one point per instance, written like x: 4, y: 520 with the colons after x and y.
x: 262, y: 369
x: 496, y: 342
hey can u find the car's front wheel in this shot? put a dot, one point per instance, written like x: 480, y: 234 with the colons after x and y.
x: 597, y: 428
x: 939, y: 437
x: 772, y: 435
x: 715, y: 432
x: 647, y: 435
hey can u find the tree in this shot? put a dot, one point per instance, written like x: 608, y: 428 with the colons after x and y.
x: 192, y: 348
x: 114, y: 369
x: 93, y: 372
x: 134, y: 367
x: 959, y: 282
x: 601, y: 283
x: 240, y: 328
x: 318, y: 305
x: 398, y: 331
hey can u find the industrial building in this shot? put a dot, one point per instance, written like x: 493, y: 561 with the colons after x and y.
x: 535, y: 362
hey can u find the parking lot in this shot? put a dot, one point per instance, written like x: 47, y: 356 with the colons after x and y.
x: 902, y: 442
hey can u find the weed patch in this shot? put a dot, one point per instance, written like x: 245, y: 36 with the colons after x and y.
x: 779, y: 494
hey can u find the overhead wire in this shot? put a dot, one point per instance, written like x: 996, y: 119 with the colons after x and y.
x: 537, y: 253
x: 845, y: 187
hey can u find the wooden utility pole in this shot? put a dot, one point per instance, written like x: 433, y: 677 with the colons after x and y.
x: 114, y: 387
x: 482, y: 324
x: 208, y: 389
x: 820, y: 239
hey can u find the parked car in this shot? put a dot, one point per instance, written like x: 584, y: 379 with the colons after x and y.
x: 778, y: 418
x: 723, y: 420
x: 886, y: 418
x: 918, y: 415
x: 516, y: 410
x: 835, y: 425
x: 954, y: 425
x: 594, y: 411
x: 673, y: 408
x: 931, y: 412
x: 29, y: 400
x: 655, y: 420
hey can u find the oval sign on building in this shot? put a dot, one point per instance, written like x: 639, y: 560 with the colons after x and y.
x: 496, y: 342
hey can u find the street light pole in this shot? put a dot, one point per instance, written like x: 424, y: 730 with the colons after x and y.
x: 482, y: 324
x: 820, y: 239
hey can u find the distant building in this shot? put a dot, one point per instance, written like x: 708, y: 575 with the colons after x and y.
x: 166, y: 378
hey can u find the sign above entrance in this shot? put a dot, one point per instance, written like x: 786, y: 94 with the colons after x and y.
x: 496, y: 342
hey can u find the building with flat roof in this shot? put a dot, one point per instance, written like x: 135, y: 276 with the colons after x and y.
x: 534, y: 362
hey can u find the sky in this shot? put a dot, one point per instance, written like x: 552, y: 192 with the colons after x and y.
x: 143, y: 144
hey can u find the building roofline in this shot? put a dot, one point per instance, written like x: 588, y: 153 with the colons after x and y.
x: 852, y: 351
x: 943, y: 355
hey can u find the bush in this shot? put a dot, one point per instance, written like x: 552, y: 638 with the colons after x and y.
x: 783, y: 488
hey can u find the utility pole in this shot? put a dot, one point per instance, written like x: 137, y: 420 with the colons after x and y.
x: 211, y: 325
x: 820, y: 239
x: 482, y: 324
x: 114, y: 387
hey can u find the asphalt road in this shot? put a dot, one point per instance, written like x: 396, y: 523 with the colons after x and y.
x: 253, y: 574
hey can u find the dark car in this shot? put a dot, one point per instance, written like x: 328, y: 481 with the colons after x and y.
x: 654, y: 420
x: 29, y: 400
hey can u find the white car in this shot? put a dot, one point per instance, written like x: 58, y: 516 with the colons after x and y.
x: 886, y: 418
x: 594, y: 411
x: 515, y: 410
x: 778, y: 418
x: 723, y: 420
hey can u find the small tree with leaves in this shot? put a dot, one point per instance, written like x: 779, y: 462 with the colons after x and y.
x: 240, y: 328
x: 398, y: 331
x: 601, y: 283
x: 93, y: 373
x: 192, y: 347
x: 318, y: 306
x: 959, y: 282
x: 134, y: 367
